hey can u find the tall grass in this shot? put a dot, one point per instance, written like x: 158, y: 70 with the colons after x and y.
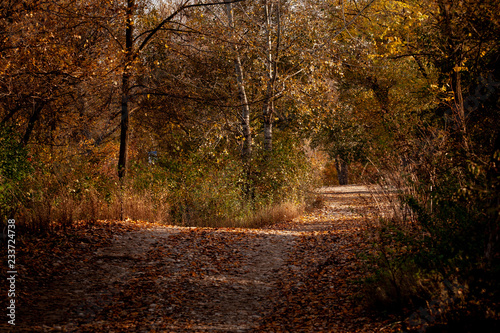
x: 188, y: 190
x: 55, y: 200
x: 434, y: 215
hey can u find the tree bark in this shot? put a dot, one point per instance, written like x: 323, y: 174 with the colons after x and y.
x: 271, y: 72
x: 124, y: 123
x: 453, y: 49
x: 268, y: 131
x: 246, y: 147
x: 32, y: 122
x: 342, y: 170
x: 381, y: 91
x: 124, y: 128
x: 459, y: 109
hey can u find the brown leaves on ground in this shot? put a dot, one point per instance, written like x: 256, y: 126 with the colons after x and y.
x: 44, y: 258
x: 298, y: 276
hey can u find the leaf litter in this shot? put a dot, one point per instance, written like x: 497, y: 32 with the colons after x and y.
x: 296, y: 276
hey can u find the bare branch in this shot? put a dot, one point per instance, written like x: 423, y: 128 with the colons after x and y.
x: 174, y: 14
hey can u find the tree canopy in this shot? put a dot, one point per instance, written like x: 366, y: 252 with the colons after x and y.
x: 208, y: 112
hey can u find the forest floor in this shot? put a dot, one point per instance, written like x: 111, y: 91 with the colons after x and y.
x: 301, y: 275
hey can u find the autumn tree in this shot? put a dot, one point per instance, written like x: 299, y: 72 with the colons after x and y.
x: 426, y: 85
x: 373, y: 75
x: 133, y: 46
x: 272, y: 33
x: 47, y: 52
x: 461, y: 43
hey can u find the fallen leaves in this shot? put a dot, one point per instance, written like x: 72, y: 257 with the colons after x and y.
x: 297, y: 276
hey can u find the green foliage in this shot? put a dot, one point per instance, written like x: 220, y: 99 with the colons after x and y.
x: 342, y: 136
x: 73, y: 188
x: 204, y: 192
x: 282, y: 175
x: 436, y: 143
x: 15, y: 166
x: 209, y: 187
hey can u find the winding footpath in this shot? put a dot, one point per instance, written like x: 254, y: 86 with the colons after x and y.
x: 296, y: 276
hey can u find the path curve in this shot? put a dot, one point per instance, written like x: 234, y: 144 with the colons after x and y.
x: 175, y: 279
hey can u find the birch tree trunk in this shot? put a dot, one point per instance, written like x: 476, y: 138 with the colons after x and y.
x: 271, y: 72
x: 246, y: 147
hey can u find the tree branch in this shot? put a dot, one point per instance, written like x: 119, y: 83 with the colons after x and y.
x: 174, y: 14
x: 348, y: 24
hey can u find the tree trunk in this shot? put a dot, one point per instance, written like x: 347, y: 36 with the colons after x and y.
x: 268, y: 131
x: 342, y: 170
x: 458, y: 108
x: 271, y: 72
x: 124, y: 124
x: 381, y: 92
x: 124, y: 129
x: 32, y: 122
x: 246, y: 147
x: 452, y: 48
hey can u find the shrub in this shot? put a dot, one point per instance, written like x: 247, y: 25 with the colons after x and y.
x: 439, y: 230
x: 15, y: 166
x: 215, y: 188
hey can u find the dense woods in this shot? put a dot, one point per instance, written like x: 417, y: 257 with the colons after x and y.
x: 215, y: 113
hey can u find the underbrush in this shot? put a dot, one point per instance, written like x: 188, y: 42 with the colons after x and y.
x: 221, y: 190
x: 197, y: 188
x: 435, y: 255
x: 58, y: 197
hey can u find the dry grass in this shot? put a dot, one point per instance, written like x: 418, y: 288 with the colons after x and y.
x: 388, y: 197
x: 278, y: 213
x: 149, y: 206
x: 397, y: 280
x: 62, y: 209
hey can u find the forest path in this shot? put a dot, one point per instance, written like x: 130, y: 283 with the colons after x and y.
x: 295, y: 276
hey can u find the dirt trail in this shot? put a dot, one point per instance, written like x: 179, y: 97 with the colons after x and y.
x: 175, y: 279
